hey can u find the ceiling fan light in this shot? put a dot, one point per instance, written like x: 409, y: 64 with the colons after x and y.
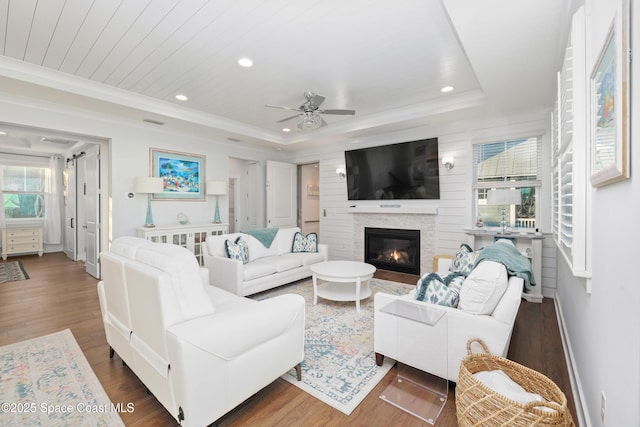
x: 309, y: 120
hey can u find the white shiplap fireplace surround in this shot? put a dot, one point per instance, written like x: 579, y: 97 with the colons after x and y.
x: 407, y: 219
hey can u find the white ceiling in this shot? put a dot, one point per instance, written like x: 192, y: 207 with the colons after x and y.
x: 386, y: 59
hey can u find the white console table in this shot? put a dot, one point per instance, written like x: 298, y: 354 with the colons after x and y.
x: 190, y: 236
x: 529, y: 243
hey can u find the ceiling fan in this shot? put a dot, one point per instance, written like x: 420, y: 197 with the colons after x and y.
x: 309, y: 112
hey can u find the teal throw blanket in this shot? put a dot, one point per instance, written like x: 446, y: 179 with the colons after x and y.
x: 516, y: 263
x: 264, y: 235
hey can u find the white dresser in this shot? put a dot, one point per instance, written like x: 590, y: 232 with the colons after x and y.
x: 21, y: 240
x: 190, y: 236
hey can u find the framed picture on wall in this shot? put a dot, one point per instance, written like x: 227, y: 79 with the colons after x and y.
x: 609, y: 104
x: 182, y: 173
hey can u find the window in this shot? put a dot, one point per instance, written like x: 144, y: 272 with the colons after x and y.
x: 23, y: 191
x: 513, y: 164
x: 571, y: 189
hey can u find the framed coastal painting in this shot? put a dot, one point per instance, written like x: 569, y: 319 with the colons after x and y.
x: 609, y: 104
x: 182, y: 173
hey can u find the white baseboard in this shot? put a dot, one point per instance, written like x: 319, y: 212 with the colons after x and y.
x: 574, y: 377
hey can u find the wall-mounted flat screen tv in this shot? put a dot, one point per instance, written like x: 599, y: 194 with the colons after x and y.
x: 403, y: 171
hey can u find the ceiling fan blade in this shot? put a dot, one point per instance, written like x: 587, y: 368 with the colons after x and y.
x: 288, y: 118
x: 340, y: 112
x: 322, y: 123
x: 283, y: 108
x: 317, y: 100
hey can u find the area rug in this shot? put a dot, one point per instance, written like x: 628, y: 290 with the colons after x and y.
x: 47, y: 381
x: 12, y: 271
x: 339, y: 366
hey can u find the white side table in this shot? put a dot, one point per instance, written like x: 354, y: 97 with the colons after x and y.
x: 339, y: 276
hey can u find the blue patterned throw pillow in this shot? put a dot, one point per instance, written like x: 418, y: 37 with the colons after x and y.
x: 463, y: 260
x: 302, y: 243
x: 237, y: 250
x: 440, y: 290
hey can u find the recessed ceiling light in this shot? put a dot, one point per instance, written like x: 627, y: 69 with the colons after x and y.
x: 446, y: 89
x: 245, y: 62
x: 286, y: 130
x: 181, y: 97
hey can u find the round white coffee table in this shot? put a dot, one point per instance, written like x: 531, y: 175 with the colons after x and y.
x: 341, y: 276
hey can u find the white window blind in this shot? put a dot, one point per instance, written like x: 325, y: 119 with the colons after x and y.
x: 23, y: 190
x: 514, y: 164
x: 507, y: 164
x: 566, y: 200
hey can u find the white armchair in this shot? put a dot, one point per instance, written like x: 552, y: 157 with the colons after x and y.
x: 439, y: 349
x: 199, y: 349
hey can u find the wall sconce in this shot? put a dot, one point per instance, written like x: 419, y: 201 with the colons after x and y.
x: 148, y: 185
x: 342, y: 173
x: 448, y: 162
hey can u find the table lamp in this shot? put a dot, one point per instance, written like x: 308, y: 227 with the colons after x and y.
x: 505, y: 197
x: 148, y: 185
x: 216, y: 188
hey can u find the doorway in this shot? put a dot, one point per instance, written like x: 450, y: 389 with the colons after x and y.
x: 83, y: 208
x: 309, y: 198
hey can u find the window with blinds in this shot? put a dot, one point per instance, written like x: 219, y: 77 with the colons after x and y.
x: 23, y: 191
x: 571, y: 189
x: 511, y: 164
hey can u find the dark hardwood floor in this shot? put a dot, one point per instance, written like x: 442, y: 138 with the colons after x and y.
x: 59, y: 295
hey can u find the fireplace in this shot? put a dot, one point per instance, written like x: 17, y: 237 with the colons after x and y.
x: 393, y: 249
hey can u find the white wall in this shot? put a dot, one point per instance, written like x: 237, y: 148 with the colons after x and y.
x: 129, y: 157
x: 603, y: 328
x: 455, y: 210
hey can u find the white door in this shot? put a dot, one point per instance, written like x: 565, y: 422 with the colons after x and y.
x: 232, y: 205
x: 282, y: 190
x: 70, y: 217
x: 81, y: 211
x: 252, y: 196
x: 92, y: 210
x: 309, y: 199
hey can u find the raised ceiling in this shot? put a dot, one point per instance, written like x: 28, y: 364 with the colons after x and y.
x: 386, y: 59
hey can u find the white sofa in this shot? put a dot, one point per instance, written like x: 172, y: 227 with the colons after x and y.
x: 268, y: 267
x: 439, y: 349
x: 194, y: 346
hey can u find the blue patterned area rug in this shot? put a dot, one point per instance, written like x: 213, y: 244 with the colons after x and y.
x: 47, y: 381
x: 12, y: 271
x: 339, y: 366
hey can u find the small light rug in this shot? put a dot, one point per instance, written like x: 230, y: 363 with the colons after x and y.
x: 47, y: 381
x: 12, y: 271
x: 339, y: 366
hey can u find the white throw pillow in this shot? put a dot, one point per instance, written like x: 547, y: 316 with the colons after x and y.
x: 483, y: 288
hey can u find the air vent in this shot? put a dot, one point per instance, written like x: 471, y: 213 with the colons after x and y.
x: 58, y: 140
x: 155, y: 122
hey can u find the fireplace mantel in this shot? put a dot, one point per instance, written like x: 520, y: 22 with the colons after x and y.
x: 393, y: 208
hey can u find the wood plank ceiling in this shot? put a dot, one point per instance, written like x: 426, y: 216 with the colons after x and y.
x: 387, y: 60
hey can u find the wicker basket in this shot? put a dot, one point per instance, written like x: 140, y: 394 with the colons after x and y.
x: 477, y: 405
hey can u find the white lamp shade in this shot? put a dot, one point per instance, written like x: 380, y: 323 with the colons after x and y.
x: 504, y: 196
x: 148, y: 185
x: 216, y: 188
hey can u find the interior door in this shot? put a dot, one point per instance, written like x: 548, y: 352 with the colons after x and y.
x: 232, y: 205
x: 81, y: 212
x: 92, y: 210
x: 252, y: 196
x: 282, y: 190
x: 70, y: 206
x: 309, y: 198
